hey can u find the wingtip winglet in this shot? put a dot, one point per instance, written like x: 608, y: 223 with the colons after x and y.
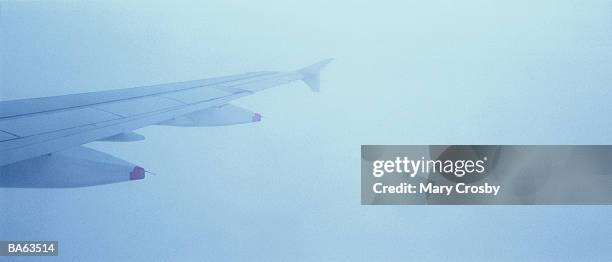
x: 310, y: 74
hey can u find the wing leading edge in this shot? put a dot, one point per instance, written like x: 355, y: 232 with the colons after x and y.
x: 33, y: 130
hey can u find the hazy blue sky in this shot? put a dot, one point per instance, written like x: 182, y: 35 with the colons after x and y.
x: 287, y: 188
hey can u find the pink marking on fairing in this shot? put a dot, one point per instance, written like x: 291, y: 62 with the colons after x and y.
x: 137, y: 173
x: 256, y: 117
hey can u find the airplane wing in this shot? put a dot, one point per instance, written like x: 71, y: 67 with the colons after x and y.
x: 41, y: 138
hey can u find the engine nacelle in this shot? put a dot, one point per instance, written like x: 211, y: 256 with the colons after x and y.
x: 75, y: 167
x: 215, y: 116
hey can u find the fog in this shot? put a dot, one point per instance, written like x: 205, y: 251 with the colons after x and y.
x: 287, y: 188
